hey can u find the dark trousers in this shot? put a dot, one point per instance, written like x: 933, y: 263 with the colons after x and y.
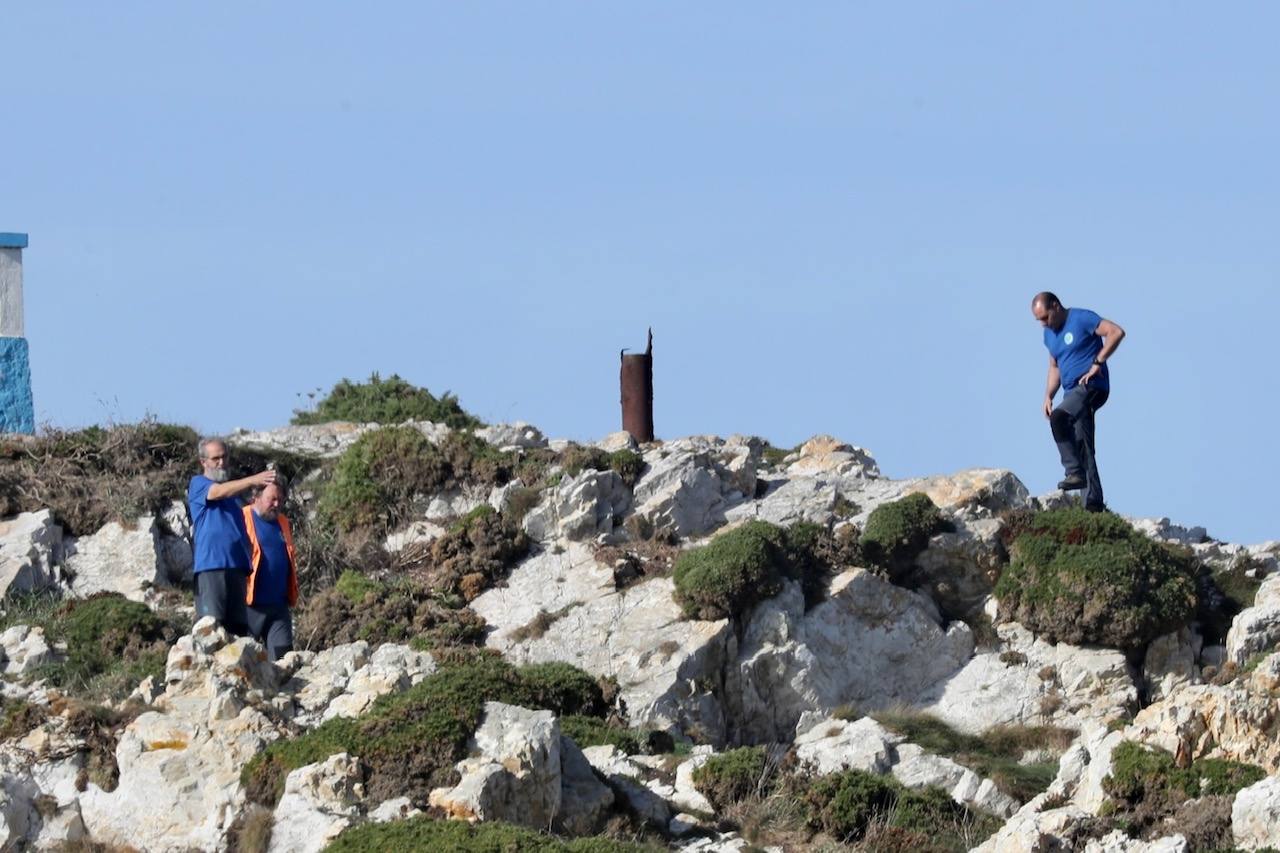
x: 220, y: 594
x: 271, y: 625
x: 1072, y: 423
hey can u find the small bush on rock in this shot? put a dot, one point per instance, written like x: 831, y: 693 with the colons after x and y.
x: 1090, y: 578
x: 475, y: 554
x: 399, y: 611
x: 748, y: 564
x: 592, y: 731
x: 411, y: 741
x: 425, y: 833
x: 386, y: 401
x: 376, y: 481
x: 731, y: 776
x: 626, y: 463
x: 897, y: 531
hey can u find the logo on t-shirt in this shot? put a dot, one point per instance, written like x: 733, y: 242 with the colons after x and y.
x: 1069, y: 338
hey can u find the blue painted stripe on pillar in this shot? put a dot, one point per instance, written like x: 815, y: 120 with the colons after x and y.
x: 17, y: 412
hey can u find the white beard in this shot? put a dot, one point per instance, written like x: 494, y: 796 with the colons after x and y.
x: 218, y: 475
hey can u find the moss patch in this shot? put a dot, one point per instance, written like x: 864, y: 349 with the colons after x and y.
x: 424, y: 833
x: 386, y: 401
x: 410, y: 741
x: 1090, y: 578
x: 897, y: 531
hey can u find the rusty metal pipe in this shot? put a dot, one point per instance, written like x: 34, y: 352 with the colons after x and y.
x: 636, y: 379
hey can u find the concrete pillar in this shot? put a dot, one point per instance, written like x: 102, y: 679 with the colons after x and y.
x: 17, y: 412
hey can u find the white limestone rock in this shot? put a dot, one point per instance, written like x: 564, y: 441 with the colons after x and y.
x: 626, y: 778
x: 392, y: 668
x: 25, y: 649
x: 320, y: 801
x: 1031, y: 682
x: 915, y: 768
x: 516, y: 436
x: 321, y: 441
x: 513, y: 773
x: 690, y: 483
x: 1118, y: 842
x: 615, y: 441
x: 831, y: 746
x: 959, y: 569
x: 416, y: 533
x: 126, y: 559
x: 584, y: 800
x: 668, y: 668
x: 31, y: 551
x: 1234, y: 721
x: 1255, y: 815
x: 1256, y: 629
x: 792, y: 661
x: 579, y: 508
x: 982, y: 492
x: 826, y: 455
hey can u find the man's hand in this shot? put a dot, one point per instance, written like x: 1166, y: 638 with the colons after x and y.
x: 262, y: 478
x: 1048, y: 406
x: 1093, y: 371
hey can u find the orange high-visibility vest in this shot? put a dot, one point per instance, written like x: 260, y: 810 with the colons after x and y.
x: 255, y: 556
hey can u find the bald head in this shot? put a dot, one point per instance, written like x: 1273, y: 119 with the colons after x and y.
x: 1048, y: 311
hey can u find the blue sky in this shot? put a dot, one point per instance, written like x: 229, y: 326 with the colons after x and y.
x: 834, y: 216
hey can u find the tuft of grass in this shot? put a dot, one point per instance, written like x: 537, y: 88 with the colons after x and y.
x: 387, y: 401
x: 897, y: 531
x: 1090, y: 578
x: 995, y: 754
x: 541, y: 623
x: 588, y: 731
x: 411, y: 741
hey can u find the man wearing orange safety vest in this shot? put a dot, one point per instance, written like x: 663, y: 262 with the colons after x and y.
x: 272, y: 587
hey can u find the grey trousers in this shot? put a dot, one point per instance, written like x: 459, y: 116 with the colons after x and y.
x: 220, y: 594
x: 272, y: 625
x: 1072, y: 423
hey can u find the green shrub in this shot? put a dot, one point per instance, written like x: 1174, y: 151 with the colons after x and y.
x: 19, y: 718
x: 1081, y: 577
x: 427, y: 834
x: 476, y: 553
x: 389, y: 401
x: 747, y: 564
x: 896, y: 532
x: 112, y: 645
x: 1141, y: 773
x: 411, y: 741
x: 355, y: 587
x: 731, y: 776
x: 377, y: 479
x: 732, y: 572
x: 846, y: 805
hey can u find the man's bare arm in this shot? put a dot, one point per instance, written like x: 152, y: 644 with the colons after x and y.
x: 234, y: 487
x: 1111, y: 335
x: 1052, y: 383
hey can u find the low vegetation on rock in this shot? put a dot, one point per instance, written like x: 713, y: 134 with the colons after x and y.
x: 628, y: 464
x: 1090, y: 578
x: 997, y: 754
x: 425, y: 833
x: 896, y: 532
x: 386, y: 401
x: 732, y: 776
x: 748, y: 564
x: 1151, y: 796
x: 411, y: 741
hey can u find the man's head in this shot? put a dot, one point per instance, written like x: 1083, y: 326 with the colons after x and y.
x: 213, y: 459
x: 267, y: 500
x: 1048, y: 310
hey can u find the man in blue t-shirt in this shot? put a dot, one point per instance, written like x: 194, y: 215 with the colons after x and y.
x: 1079, y: 343
x: 217, y: 525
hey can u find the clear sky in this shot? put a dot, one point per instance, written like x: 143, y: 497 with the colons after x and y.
x: 834, y: 216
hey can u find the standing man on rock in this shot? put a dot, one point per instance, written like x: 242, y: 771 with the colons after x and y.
x: 1079, y: 342
x: 221, y: 558
x: 273, y: 573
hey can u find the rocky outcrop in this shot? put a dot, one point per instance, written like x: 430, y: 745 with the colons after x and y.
x: 1028, y: 681
x: 580, y: 508
x: 320, y: 801
x: 30, y: 552
x: 691, y: 483
x: 1257, y: 628
x: 869, y: 645
x: 1255, y: 815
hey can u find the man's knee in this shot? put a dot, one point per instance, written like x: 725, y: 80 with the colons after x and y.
x: 1062, y: 424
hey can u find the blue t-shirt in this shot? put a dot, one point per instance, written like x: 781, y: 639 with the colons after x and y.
x: 271, y: 583
x: 1075, y: 346
x: 217, y: 528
